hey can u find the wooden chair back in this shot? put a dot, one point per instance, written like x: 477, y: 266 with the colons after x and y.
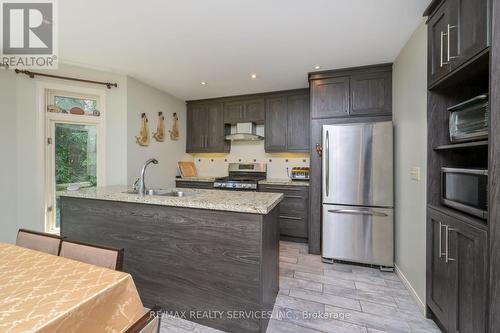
x: 39, y: 241
x: 103, y: 256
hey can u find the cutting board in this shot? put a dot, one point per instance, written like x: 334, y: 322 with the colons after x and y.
x: 187, y: 169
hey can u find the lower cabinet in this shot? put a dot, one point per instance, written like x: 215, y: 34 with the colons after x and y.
x: 194, y: 184
x: 294, y: 210
x: 456, y: 272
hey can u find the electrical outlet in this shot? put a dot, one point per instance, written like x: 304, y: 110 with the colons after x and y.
x: 415, y: 173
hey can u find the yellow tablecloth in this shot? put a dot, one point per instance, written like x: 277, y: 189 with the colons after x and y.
x: 40, y: 292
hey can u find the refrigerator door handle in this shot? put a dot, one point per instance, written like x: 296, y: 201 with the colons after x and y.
x: 327, y: 156
x: 357, y: 212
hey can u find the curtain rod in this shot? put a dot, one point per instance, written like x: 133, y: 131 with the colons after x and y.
x: 33, y: 74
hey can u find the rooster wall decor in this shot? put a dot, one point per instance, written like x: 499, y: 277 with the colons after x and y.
x: 174, y: 133
x: 143, y: 138
x: 159, y: 135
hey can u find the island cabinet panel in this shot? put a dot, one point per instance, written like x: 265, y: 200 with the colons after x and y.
x: 187, y: 259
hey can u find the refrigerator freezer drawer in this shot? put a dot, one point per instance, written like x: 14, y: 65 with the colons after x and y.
x: 358, y: 234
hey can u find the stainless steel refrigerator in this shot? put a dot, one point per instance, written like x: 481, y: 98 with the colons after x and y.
x: 357, y: 186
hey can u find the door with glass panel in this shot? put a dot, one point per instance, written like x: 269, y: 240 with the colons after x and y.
x: 73, y: 148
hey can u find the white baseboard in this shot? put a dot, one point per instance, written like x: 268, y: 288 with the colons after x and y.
x: 408, y: 285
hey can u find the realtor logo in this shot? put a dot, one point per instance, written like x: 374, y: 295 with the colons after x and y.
x: 28, y: 36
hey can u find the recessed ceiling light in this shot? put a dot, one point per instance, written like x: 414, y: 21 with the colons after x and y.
x: 317, y: 67
x: 203, y: 83
x: 253, y: 76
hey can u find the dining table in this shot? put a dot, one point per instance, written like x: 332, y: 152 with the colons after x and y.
x: 40, y: 292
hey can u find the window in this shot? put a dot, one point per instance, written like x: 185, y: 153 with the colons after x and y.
x: 75, y: 148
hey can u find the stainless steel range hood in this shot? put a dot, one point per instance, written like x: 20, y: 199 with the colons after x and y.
x: 244, y: 132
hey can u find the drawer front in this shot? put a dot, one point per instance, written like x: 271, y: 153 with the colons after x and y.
x: 293, y: 226
x: 294, y: 209
x: 201, y: 185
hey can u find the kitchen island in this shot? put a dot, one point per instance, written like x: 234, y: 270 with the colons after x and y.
x: 211, y: 257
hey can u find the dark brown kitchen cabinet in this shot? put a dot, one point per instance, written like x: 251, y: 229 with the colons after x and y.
x: 287, y: 123
x: 371, y: 94
x: 244, y: 111
x: 298, y: 115
x: 205, y: 129
x: 330, y: 97
x: 438, y: 65
x: 457, y: 272
x: 294, y: 210
x: 468, y: 29
x: 276, y: 124
x: 457, y: 32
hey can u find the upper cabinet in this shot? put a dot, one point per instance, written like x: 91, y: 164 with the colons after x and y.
x: 287, y: 122
x: 371, y: 94
x: 330, y: 97
x: 285, y: 115
x: 457, y: 32
x: 361, y: 91
x: 205, y: 128
x: 241, y: 111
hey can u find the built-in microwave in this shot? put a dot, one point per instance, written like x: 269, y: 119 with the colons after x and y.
x: 465, y: 190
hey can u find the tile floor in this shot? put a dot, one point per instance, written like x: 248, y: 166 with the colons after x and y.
x: 348, y: 299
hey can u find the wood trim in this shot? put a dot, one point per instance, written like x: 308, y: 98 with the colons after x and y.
x: 148, y: 317
x: 384, y: 67
x: 431, y: 7
x: 250, y: 96
x: 119, y: 251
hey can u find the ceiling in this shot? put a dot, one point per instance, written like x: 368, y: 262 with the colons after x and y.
x: 175, y: 44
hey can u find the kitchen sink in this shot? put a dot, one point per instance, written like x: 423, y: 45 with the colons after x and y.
x: 164, y: 193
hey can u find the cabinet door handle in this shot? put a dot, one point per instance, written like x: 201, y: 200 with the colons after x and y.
x: 441, y: 254
x: 442, y: 63
x: 291, y: 218
x: 448, y: 34
x: 293, y: 197
x: 447, y: 243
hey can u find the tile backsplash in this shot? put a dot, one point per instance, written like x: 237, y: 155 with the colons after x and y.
x: 215, y: 165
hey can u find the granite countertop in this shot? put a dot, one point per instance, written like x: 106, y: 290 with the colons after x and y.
x: 231, y: 201
x: 197, y: 179
x: 284, y: 181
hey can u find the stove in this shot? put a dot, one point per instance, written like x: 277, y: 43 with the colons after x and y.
x: 242, y: 177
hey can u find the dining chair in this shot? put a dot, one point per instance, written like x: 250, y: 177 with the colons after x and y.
x: 39, y: 241
x: 149, y: 323
x: 103, y: 256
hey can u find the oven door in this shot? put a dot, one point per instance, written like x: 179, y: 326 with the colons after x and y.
x: 465, y: 190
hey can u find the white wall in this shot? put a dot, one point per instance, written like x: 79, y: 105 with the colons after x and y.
x: 21, y: 192
x: 8, y: 151
x: 215, y: 165
x: 142, y: 98
x: 410, y: 119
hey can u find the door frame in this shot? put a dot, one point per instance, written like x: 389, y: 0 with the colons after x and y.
x: 43, y: 122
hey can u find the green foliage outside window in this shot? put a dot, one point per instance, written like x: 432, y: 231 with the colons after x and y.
x: 75, y: 157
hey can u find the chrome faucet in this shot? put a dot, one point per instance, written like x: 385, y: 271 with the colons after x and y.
x: 142, y: 184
